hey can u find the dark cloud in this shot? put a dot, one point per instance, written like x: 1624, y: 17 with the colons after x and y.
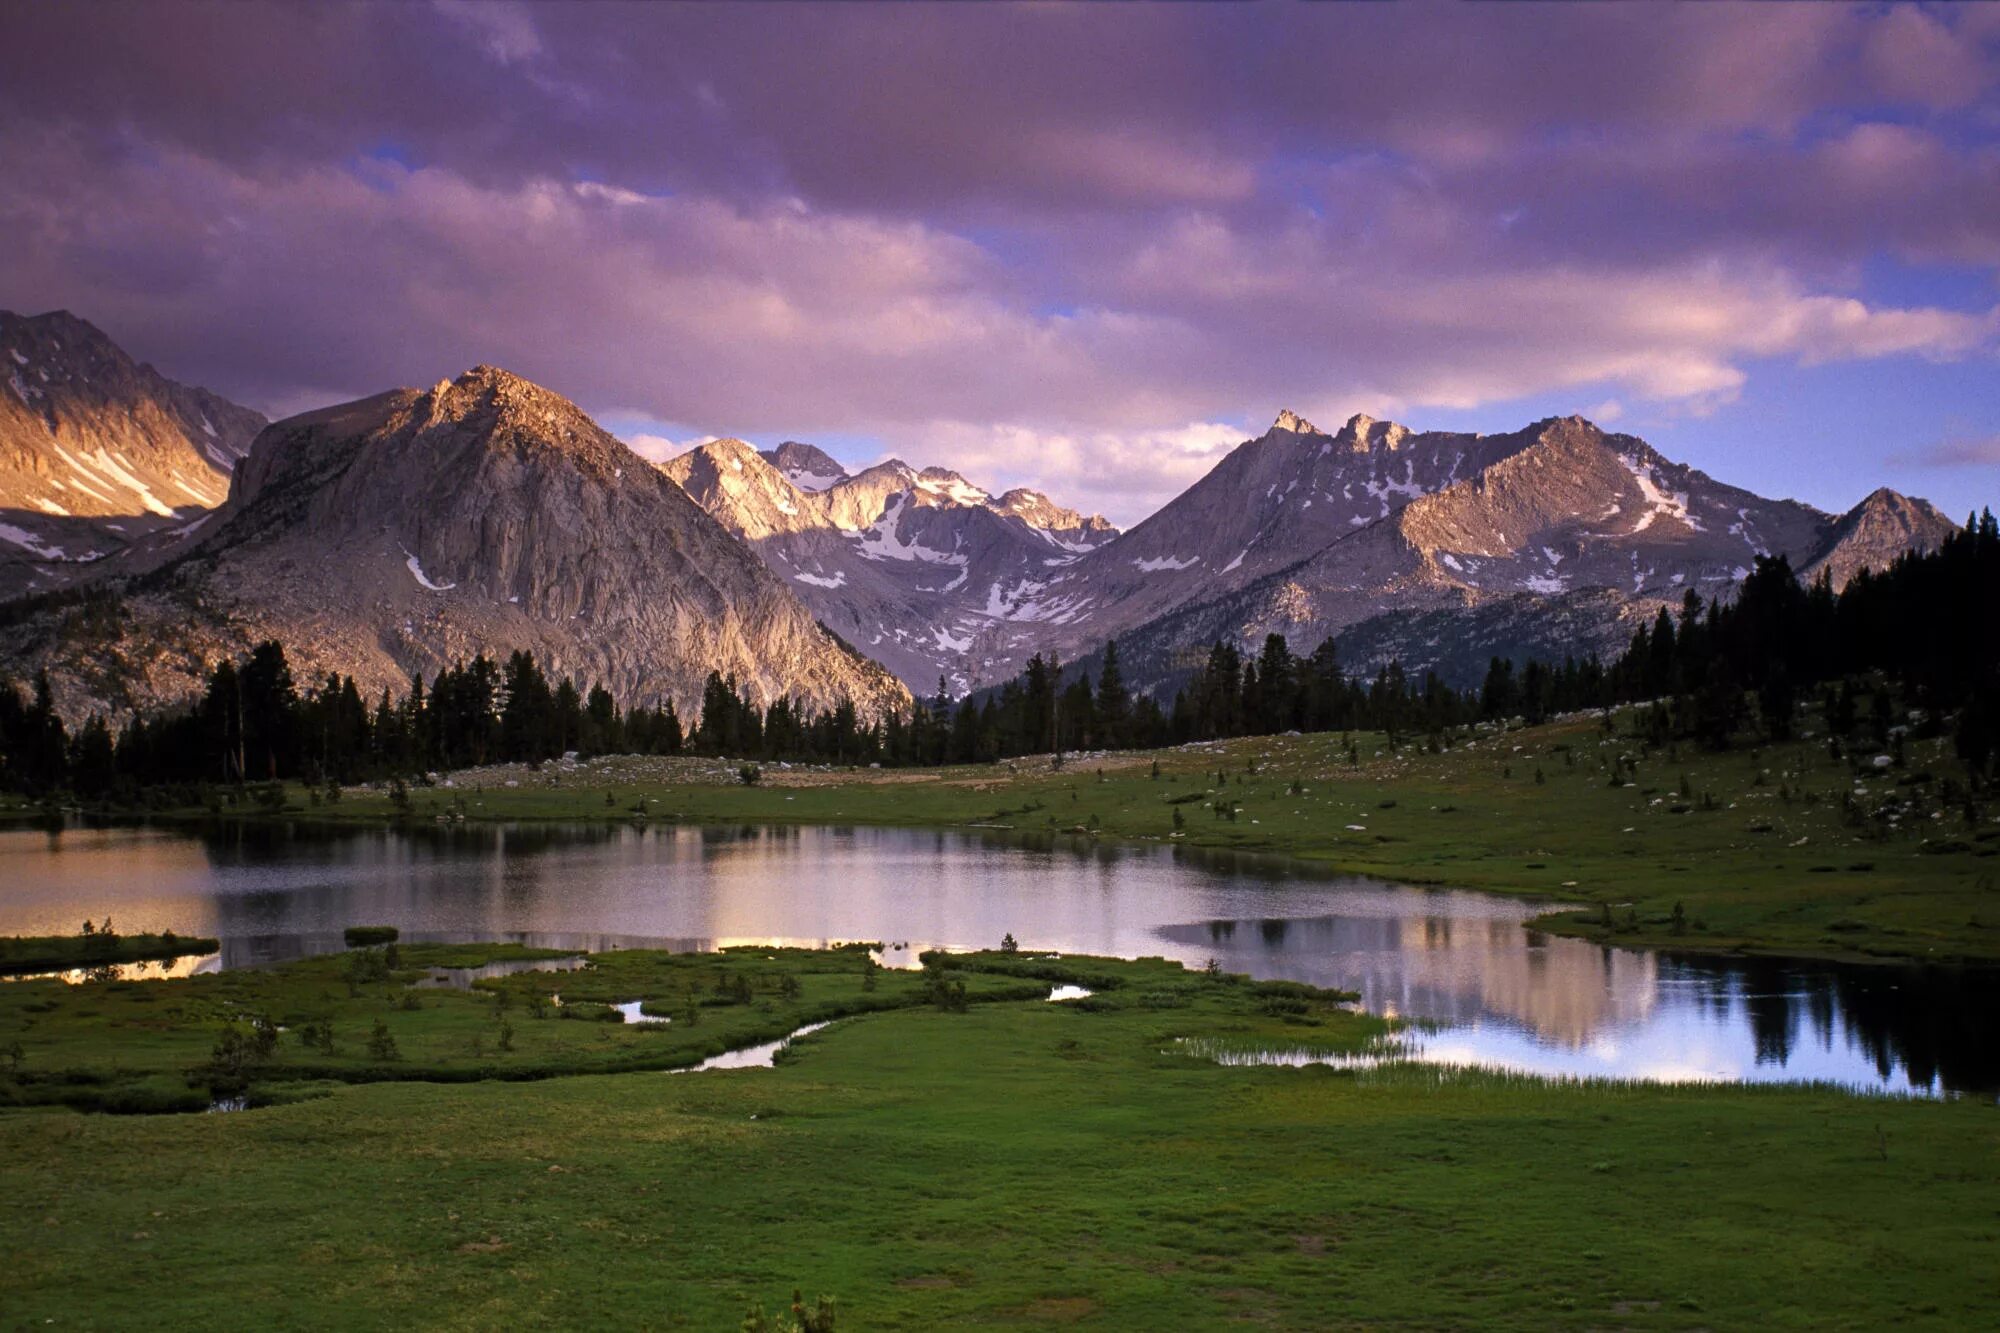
x: 1068, y: 240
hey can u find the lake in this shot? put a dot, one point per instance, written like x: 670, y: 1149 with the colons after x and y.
x: 1489, y: 990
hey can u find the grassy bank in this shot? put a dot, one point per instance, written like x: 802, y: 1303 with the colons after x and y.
x: 1760, y: 849
x: 1018, y: 1165
x: 380, y: 1015
x: 52, y: 953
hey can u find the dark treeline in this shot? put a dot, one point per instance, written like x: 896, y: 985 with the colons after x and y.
x: 1928, y: 628
x: 254, y: 724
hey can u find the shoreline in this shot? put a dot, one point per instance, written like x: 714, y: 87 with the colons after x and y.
x: 1776, y: 851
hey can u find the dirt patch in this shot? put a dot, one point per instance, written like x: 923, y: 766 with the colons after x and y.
x: 491, y: 1245
x: 1061, y: 1309
x: 928, y: 1282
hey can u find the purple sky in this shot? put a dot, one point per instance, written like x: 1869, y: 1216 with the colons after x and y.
x: 1089, y: 249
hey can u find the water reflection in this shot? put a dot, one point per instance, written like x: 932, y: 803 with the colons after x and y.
x: 1497, y: 993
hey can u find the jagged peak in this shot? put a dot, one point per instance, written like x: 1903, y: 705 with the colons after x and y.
x: 894, y: 468
x: 1365, y: 432
x: 727, y: 447
x: 56, y: 321
x: 799, y: 454
x: 1296, y: 424
x: 1884, y: 497
x: 1573, y: 424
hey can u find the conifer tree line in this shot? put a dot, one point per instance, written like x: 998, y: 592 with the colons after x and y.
x: 1927, y: 628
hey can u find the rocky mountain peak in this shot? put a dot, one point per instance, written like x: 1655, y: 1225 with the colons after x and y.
x: 1296, y: 424
x: 945, y: 485
x: 805, y: 466
x: 99, y: 453
x: 1873, y: 533
x: 1363, y: 433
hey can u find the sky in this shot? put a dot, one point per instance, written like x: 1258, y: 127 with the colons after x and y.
x: 1088, y: 249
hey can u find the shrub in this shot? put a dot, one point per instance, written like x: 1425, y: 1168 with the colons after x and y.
x: 382, y: 1045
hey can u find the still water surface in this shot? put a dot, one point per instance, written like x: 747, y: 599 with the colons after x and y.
x: 1493, y: 993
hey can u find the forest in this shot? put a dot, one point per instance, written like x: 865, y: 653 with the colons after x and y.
x: 1919, y: 640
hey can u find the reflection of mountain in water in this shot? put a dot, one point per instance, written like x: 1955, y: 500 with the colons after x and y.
x: 1450, y: 970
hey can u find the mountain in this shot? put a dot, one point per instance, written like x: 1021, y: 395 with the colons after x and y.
x: 1873, y: 533
x: 922, y: 570
x: 405, y: 531
x: 98, y: 453
x: 806, y: 467
x: 1549, y: 540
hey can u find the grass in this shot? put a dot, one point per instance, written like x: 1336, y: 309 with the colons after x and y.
x: 1018, y: 1165
x: 1755, y: 845
x: 143, y: 1045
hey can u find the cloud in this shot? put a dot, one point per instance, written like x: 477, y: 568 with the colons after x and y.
x: 1955, y: 450
x: 658, y: 448
x: 1084, y: 248
x: 505, y: 31
x: 1125, y: 474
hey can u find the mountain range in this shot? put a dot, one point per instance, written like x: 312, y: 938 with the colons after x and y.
x: 404, y: 531
x: 922, y: 570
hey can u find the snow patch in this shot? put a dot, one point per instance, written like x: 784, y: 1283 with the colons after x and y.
x: 1239, y: 556
x: 813, y: 481
x: 820, y: 581
x: 29, y: 542
x: 1546, y: 583
x: 957, y: 489
x: 418, y: 570
x: 882, y: 542
x: 1164, y: 562
x: 15, y: 352
x: 1659, y: 502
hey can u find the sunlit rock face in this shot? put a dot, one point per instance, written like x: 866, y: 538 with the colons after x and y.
x: 402, y: 532
x: 924, y: 571
x: 100, y: 455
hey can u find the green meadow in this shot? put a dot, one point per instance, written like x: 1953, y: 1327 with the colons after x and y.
x: 999, y: 1161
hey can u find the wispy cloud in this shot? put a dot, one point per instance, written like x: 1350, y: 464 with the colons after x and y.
x: 1955, y: 451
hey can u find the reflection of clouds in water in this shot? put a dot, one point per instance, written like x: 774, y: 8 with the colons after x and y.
x: 1509, y: 996
x: 158, y: 969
